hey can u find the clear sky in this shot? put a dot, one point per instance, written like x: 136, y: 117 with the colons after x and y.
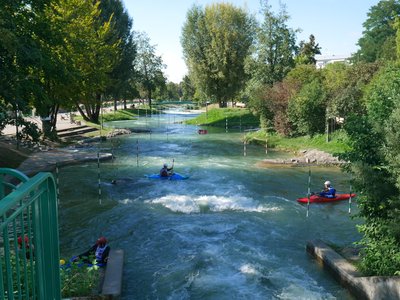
x: 336, y: 24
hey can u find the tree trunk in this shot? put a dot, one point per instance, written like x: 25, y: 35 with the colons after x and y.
x: 115, y: 104
x: 149, y: 99
x: 125, y: 104
x: 222, y: 103
x: 263, y: 121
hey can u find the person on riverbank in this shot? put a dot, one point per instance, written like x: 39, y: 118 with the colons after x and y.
x: 100, y: 251
x: 165, y: 171
x: 20, y: 246
x: 328, y: 191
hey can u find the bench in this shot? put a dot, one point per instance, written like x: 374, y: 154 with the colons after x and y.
x: 112, y: 283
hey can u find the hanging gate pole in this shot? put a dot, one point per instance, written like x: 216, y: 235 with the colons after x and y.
x: 98, y: 176
x: 137, y: 152
x: 309, y: 187
x: 350, y: 194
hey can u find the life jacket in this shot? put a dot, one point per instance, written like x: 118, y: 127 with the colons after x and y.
x: 99, y: 253
x: 330, y: 193
x: 164, y: 172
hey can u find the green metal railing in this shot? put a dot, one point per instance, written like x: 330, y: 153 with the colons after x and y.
x: 29, y: 266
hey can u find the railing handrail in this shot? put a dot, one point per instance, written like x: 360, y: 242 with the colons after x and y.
x: 36, y: 199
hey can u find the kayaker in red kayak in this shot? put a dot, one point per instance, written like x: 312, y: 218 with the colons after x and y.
x: 328, y: 191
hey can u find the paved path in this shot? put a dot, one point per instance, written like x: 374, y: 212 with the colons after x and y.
x: 48, y: 160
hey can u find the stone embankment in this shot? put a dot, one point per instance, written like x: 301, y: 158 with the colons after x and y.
x: 362, y: 287
x: 305, y: 158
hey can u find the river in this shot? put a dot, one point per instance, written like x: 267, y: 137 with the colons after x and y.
x: 232, y: 230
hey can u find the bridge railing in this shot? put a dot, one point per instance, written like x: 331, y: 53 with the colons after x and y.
x: 29, y: 266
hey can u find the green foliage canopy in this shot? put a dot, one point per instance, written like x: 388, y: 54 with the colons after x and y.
x: 216, y: 42
x: 378, y: 40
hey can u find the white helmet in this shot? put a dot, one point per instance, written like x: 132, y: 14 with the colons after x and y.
x: 165, y: 166
x: 327, y: 182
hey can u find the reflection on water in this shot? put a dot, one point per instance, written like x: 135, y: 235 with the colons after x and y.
x: 233, y: 230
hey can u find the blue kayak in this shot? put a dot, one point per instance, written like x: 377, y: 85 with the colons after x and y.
x: 175, y: 176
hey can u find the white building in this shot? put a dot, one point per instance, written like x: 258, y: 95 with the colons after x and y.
x: 323, y: 60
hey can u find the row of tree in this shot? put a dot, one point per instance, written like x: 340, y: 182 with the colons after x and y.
x: 73, y: 54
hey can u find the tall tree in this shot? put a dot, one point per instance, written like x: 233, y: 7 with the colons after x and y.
x: 378, y: 40
x: 275, y: 47
x: 92, y: 52
x: 120, y: 86
x: 272, y: 58
x: 20, y: 22
x: 374, y: 157
x: 148, y: 66
x: 216, y: 41
x: 187, y: 88
x: 307, y: 51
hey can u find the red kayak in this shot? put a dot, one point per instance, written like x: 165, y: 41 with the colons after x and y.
x: 319, y: 199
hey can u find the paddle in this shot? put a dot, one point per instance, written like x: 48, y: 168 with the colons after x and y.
x: 172, y: 167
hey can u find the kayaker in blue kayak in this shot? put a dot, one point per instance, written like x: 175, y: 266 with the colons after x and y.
x: 328, y: 191
x: 165, y: 171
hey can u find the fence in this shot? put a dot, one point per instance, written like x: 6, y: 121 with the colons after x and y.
x: 29, y: 267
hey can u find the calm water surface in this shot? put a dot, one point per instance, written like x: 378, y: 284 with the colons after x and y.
x: 233, y: 230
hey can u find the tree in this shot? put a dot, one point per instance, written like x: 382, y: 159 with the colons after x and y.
x: 187, y: 88
x: 307, y: 109
x: 148, y: 66
x: 346, y: 86
x: 215, y: 44
x: 273, y: 54
x: 307, y: 51
x: 92, y: 52
x: 271, y: 60
x: 120, y: 86
x: 378, y: 38
x: 374, y: 159
x: 20, y: 22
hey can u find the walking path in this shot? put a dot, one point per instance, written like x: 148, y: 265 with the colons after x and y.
x: 49, y: 160
x: 46, y: 161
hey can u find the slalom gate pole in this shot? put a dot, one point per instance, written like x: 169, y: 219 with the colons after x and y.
x: 244, y: 148
x: 137, y: 152
x: 226, y: 124
x: 98, y: 176
x: 309, y: 187
x: 350, y: 194
x: 58, y: 183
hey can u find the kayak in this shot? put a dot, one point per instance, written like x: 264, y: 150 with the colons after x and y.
x: 320, y: 199
x: 175, y: 176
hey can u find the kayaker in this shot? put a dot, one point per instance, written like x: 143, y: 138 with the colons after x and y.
x: 328, y: 191
x: 165, y: 171
x: 100, y: 250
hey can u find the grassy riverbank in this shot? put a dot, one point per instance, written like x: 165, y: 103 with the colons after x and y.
x: 337, y: 144
x: 243, y: 117
x: 220, y: 117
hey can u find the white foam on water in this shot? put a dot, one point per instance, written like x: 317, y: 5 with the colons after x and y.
x: 249, y: 269
x: 196, y: 204
x: 297, y: 284
x: 125, y: 201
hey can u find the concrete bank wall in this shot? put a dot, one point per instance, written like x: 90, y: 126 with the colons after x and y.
x: 374, y: 287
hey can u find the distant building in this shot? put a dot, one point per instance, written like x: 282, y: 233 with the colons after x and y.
x: 323, y: 60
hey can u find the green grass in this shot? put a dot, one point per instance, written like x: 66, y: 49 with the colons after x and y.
x: 119, y: 115
x: 337, y: 144
x: 218, y: 117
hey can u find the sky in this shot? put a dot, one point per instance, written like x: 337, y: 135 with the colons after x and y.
x: 336, y: 24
